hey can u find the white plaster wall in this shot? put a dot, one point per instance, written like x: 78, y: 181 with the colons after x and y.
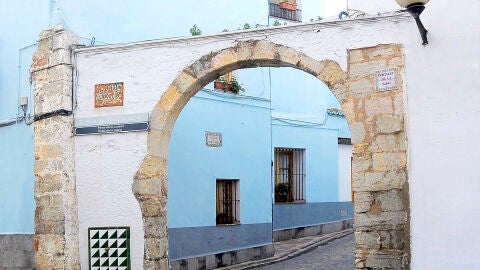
x: 105, y: 167
x: 442, y: 81
x: 443, y: 86
x: 344, y: 173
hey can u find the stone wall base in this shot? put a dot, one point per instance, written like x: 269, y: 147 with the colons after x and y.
x: 224, y: 258
x: 282, y: 235
x: 16, y: 251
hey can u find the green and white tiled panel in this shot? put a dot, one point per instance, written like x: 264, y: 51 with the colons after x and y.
x: 109, y: 248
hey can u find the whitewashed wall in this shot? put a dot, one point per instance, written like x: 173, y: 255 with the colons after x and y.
x: 344, y: 173
x: 442, y: 82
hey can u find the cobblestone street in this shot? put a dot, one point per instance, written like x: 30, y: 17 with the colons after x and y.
x: 336, y: 255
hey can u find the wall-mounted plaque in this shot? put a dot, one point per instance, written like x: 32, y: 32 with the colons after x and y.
x: 112, y: 124
x: 109, y: 94
x: 213, y: 139
x: 386, y: 80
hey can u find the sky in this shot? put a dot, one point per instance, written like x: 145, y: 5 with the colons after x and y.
x: 173, y: 18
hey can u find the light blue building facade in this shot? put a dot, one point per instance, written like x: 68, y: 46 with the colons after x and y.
x: 281, y: 109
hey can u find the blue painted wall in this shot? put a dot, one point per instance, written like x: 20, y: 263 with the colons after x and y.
x: 16, y: 142
x: 321, y: 157
x: 245, y: 155
x: 251, y: 127
x: 289, y: 216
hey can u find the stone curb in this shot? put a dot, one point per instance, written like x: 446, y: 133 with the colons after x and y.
x: 295, y: 251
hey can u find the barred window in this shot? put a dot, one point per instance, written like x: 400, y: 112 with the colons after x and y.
x: 289, y: 175
x: 228, y: 201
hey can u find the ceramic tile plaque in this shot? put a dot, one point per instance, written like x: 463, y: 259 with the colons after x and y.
x: 109, y: 248
x: 213, y: 139
x: 109, y: 94
x: 386, y: 80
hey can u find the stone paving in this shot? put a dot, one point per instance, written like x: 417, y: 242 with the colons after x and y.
x: 336, y: 249
x: 335, y: 255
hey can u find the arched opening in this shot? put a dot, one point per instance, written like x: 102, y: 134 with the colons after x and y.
x: 150, y: 184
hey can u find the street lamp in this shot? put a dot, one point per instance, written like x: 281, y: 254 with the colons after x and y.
x: 415, y: 8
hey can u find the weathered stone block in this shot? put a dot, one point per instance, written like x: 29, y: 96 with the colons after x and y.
x: 311, y: 65
x: 379, y: 181
x: 361, y: 164
x: 46, y: 183
x: 381, y: 51
x: 224, y: 58
x: 152, y: 167
x: 355, y: 56
x: 289, y: 55
x: 398, y: 104
x: 40, y: 60
x: 170, y: 98
x: 395, y: 62
x: 332, y: 74
x: 47, y: 151
x: 60, y: 73
x: 264, y: 50
x: 357, y: 130
x: 378, y: 105
x: 50, y: 227
x: 49, y: 214
x: 362, y: 202
x: 48, y: 244
x: 366, y: 69
x: 147, y: 186
x: 60, y: 58
x: 152, y: 207
x: 53, y: 96
x: 385, y: 143
x: 156, y: 248
x: 386, y: 260
x: 361, y: 87
x: 342, y: 93
x: 187, y: 83
x: 390, y: 200
x: 380, y: 239
x: 380, y: 219
x: 158, y: 143
x: 389, y: 161
x: 389, y: 124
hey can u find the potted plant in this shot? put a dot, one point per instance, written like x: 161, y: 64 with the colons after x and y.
x: 221, y: 84
x: 232, y: 86
x: 282, y: 192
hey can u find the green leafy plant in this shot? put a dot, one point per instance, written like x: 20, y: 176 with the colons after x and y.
x: 195, y: 31
x: 235, y: 86
x: 246, y: 26
x: 276, y: 23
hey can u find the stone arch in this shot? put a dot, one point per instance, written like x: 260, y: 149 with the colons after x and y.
x: 150, y: 183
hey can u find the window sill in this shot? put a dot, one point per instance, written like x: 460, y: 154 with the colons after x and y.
x: 231, y: 224
x: 294, y: 202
